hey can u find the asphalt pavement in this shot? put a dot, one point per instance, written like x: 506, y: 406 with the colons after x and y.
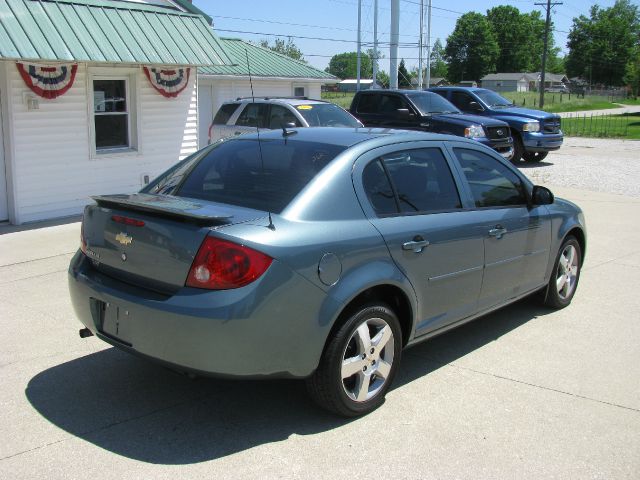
x: 525, y: 392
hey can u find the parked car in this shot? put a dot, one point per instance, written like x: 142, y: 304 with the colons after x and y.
x: 557, y: 89
x: 245, y: 115
x: 425, y: 111
x: 535, y: 133
x: 319, y: 253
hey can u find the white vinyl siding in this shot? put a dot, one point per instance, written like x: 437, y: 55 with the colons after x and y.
x: 54, y: 169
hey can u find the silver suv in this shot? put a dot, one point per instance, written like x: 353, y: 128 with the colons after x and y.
x: 245, y: 115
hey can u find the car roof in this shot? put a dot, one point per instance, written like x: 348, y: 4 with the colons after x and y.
x: 404, y: 91
x: 348, y: 137
x: 287, y: 100
x: 456, y: 87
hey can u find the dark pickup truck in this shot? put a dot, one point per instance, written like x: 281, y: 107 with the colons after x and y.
x: 535, y: 133
x: 426, y: 111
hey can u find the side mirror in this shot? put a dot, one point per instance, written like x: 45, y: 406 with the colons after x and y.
x: 475, y: 106
x: 290, y: 125
x: 403, y: 114
x: 541, y: 196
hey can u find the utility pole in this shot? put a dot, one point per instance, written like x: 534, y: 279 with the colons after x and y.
x: 420, y: 45
x: 393, y: 47
x: 374, y: 66
x: 429, y: 44
x: 359, y: 43
x: 548, y: 6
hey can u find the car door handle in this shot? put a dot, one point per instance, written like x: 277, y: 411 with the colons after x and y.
x: 237, y: 133
x: 417, y: 244
x: 498, y: 231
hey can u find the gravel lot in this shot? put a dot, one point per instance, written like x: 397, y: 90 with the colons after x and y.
x: 602, y: 165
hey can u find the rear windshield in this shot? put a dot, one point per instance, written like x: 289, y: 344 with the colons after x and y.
x: 326, y: 115
x: 235, y: 173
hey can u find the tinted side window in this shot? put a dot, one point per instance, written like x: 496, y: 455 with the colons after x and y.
x: 461, y: 100
x: 280, y: 116
x: 368, y: 103
x: 422, y: 181
x: 254, y: 115
x: 391, y: 104
x: 492, y: 183
x: 224, y: 114
x: 442, y: 93
x: 379, y: 192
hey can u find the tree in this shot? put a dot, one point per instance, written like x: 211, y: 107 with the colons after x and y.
x: 438, y: 65
x: 632, y: 73
x: 520, y: 38
x: 555, y: 63
x: 404, y: 78
x: 601, y: 46
x: 472, y: 49
x: 345, y: 65
x: 289, y: 48
x: 383, y: 79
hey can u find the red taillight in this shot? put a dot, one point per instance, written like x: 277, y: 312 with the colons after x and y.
x: 221, y: 265
x: 127, y: 221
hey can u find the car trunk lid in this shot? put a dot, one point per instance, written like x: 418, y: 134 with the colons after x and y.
x: 151, y: 240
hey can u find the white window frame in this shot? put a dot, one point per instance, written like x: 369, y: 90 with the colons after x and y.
x: 130, y: 77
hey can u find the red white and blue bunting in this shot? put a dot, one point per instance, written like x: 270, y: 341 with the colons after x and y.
x: 168, y: 81
x: 47, y: 81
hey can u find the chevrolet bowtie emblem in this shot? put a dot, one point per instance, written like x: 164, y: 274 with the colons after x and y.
x: 124, y: 239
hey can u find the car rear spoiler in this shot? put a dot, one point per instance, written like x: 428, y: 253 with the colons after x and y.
x: 167, y: 206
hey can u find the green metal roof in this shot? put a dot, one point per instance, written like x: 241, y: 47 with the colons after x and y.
x: 106, y: 31
x: 263, y: 62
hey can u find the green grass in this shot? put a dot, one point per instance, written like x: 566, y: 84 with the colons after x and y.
x: 554, y: 102
x: 342, y: 99
x: 603, y: 126
x: 629, y: 101
x: 557, y: 102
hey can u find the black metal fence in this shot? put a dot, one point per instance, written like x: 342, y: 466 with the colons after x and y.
x: 602, y: 125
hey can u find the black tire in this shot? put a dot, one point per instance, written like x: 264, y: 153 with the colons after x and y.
x: 518, y: 148
x: 561, y: 297
x: 377, y: 368
x: 534, y: 157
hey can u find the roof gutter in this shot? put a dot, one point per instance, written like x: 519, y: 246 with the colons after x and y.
x: 213, y: 76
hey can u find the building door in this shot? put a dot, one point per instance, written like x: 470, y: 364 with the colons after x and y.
x: 4, y: 212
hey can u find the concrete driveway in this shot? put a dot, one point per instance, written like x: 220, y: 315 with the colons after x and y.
x: 522, y: 393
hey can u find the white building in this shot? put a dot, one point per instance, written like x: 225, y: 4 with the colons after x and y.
x: 95, y: 96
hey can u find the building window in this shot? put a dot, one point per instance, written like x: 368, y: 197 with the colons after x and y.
x: 298, y: 92
x: 113, y: 114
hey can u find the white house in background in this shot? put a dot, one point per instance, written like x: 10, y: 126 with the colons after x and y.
x: 272, y: 75
x: 521, y: 82
x: 96, y: 96
x: 351, y: 84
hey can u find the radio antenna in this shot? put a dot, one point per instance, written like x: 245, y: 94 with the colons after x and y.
x: 271, y: 226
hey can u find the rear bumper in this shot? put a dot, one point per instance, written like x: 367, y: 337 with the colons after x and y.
x: 542, y: 142
x: 251, y: 331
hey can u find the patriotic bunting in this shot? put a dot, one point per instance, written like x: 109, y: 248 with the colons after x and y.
x: 47, y: 81
x: 169, y: 82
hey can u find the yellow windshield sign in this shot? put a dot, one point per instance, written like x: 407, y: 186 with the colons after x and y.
x: 304, y: 107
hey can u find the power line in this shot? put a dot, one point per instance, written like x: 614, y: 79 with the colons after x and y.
x: 325, y: 39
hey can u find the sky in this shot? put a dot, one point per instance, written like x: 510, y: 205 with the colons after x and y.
x: 323, y: 28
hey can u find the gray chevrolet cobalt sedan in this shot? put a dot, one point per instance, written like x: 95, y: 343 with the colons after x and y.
x: 320, y: 254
